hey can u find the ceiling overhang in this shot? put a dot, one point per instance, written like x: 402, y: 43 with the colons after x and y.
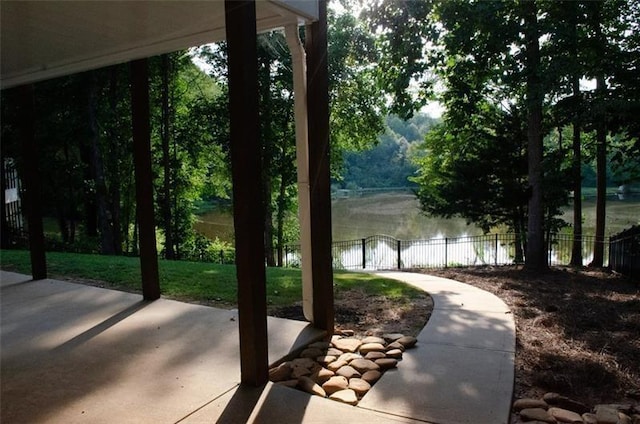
x: 47, y: 39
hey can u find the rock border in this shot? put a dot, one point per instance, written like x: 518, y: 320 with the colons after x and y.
x: 345, y: 368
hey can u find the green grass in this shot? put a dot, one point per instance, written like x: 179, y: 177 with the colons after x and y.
x: 195, y: 281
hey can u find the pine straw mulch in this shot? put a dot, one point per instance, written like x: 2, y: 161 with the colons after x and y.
x: 578, y: 331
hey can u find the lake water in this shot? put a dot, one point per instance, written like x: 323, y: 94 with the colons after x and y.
x: 398, y: 215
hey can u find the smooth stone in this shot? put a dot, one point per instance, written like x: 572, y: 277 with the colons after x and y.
x: 371, y: 347
x: 565, y: 416
x: 589, y: 418
x: 536, y: 414
x: 335, y: 384
x: 322, y: 375
x: 332, y: 351
x: 326, y: 359
x: 348, y: 372
x: 348, y: 357
x: 386, y: 363
x: 320, y: 345
x: 374, y: 339
x: 359, y: 386
x: 394, y: 353
x: 310, y: 386
x: 624, y: 418
x: 363, y: 365
x: 347, y: 333
x: 374, y: 355
x: 606, y: 415
x: 347, y: 396
x: 347, y: 345
x: 620, y: 407
x: 371, y: 376
x: 564, y: 402
x: 335, y: 337
x: 395, y: 345
x: 392, y: 337
x: 311, y: 353
x: 280, y: 373
x: 527, y: 403
x: 407, y: 341
x: 336, y: 365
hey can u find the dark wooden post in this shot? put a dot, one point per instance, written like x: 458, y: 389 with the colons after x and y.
x: 248, y: 203
x: 319, y: 172
x: 31, y: 183
x: 144, y: 178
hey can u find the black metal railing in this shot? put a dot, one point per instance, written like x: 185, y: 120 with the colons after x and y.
x: 386, y: 252
x: 624, y: 252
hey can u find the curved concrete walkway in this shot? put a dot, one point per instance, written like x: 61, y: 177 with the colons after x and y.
x: 77, y: 354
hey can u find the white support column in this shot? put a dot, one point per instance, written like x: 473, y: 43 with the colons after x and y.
x: 298, y: 59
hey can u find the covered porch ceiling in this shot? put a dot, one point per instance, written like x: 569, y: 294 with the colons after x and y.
x: 43, y: 40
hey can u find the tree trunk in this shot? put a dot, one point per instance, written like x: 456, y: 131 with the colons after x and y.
x: 97, y: 168
x: 601, y: 141
x: 267, y: 156
x: 576, y: 163
x: 536, y: 255
x: 167, y: 220
x: 280, y: 220
x: 114, y: 141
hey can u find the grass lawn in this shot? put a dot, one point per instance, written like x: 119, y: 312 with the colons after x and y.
x: 199, y: 282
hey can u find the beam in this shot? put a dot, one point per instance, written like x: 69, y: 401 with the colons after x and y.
x: 31, y: 183
x: 319, y: 170
x: 248, y: 202
x: 144, y: 178
x: 298, y: 59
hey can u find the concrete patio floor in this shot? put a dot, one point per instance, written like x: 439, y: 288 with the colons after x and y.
x: 72, y: 353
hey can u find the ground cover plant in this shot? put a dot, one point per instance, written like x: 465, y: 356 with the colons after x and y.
x: 364, y: 302
x: 578, y: 331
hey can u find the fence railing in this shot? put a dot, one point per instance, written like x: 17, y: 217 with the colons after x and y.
x: 385, y: 252
x: 624, y: 253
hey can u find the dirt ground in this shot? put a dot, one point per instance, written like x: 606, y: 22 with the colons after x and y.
x: 578, y: 331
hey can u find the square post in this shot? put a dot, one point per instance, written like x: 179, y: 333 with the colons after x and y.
x: 31, y: 183
x: 319, y: 170
x: 248, y: 202
x: 144, y: 178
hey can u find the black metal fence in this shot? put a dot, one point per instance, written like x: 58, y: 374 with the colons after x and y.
x: 385, y: 252
x: 624, y: 253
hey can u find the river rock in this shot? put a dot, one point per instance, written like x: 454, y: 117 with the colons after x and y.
x: 348, y: 357
x: 375, y: 355
x: 332, y: 351
x: 525, y: 403
x: 336, y: 365
x: 536, y: 414
x: 624, y: 418
x: 322, y: 375
x: 564, y: 402
x: 565, y: 416
x: 373, y: 339
x: 606, y: 414
x: 348, y: 372
x: 394, y: 353
x: 371, y: 376
x: 363, y: 365
x: 407, y: 341
x: 395, y: 345
x: 280, y: 373
x: 589, y: 418
x: 347, y: 333
x: 325, y: 359
x: 371, y: 347
x: 392, y: 337
x: 386, y: 363
x: 335, y: 384
x: 359, y: 386
x: 347, y: 396
x: 347, y: 345
x: 310, y: 386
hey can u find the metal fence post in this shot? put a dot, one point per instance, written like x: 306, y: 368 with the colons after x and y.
x: 364, y: 253
x: 446, y: 252
x: 399, y: 256
x: 496, y: 246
